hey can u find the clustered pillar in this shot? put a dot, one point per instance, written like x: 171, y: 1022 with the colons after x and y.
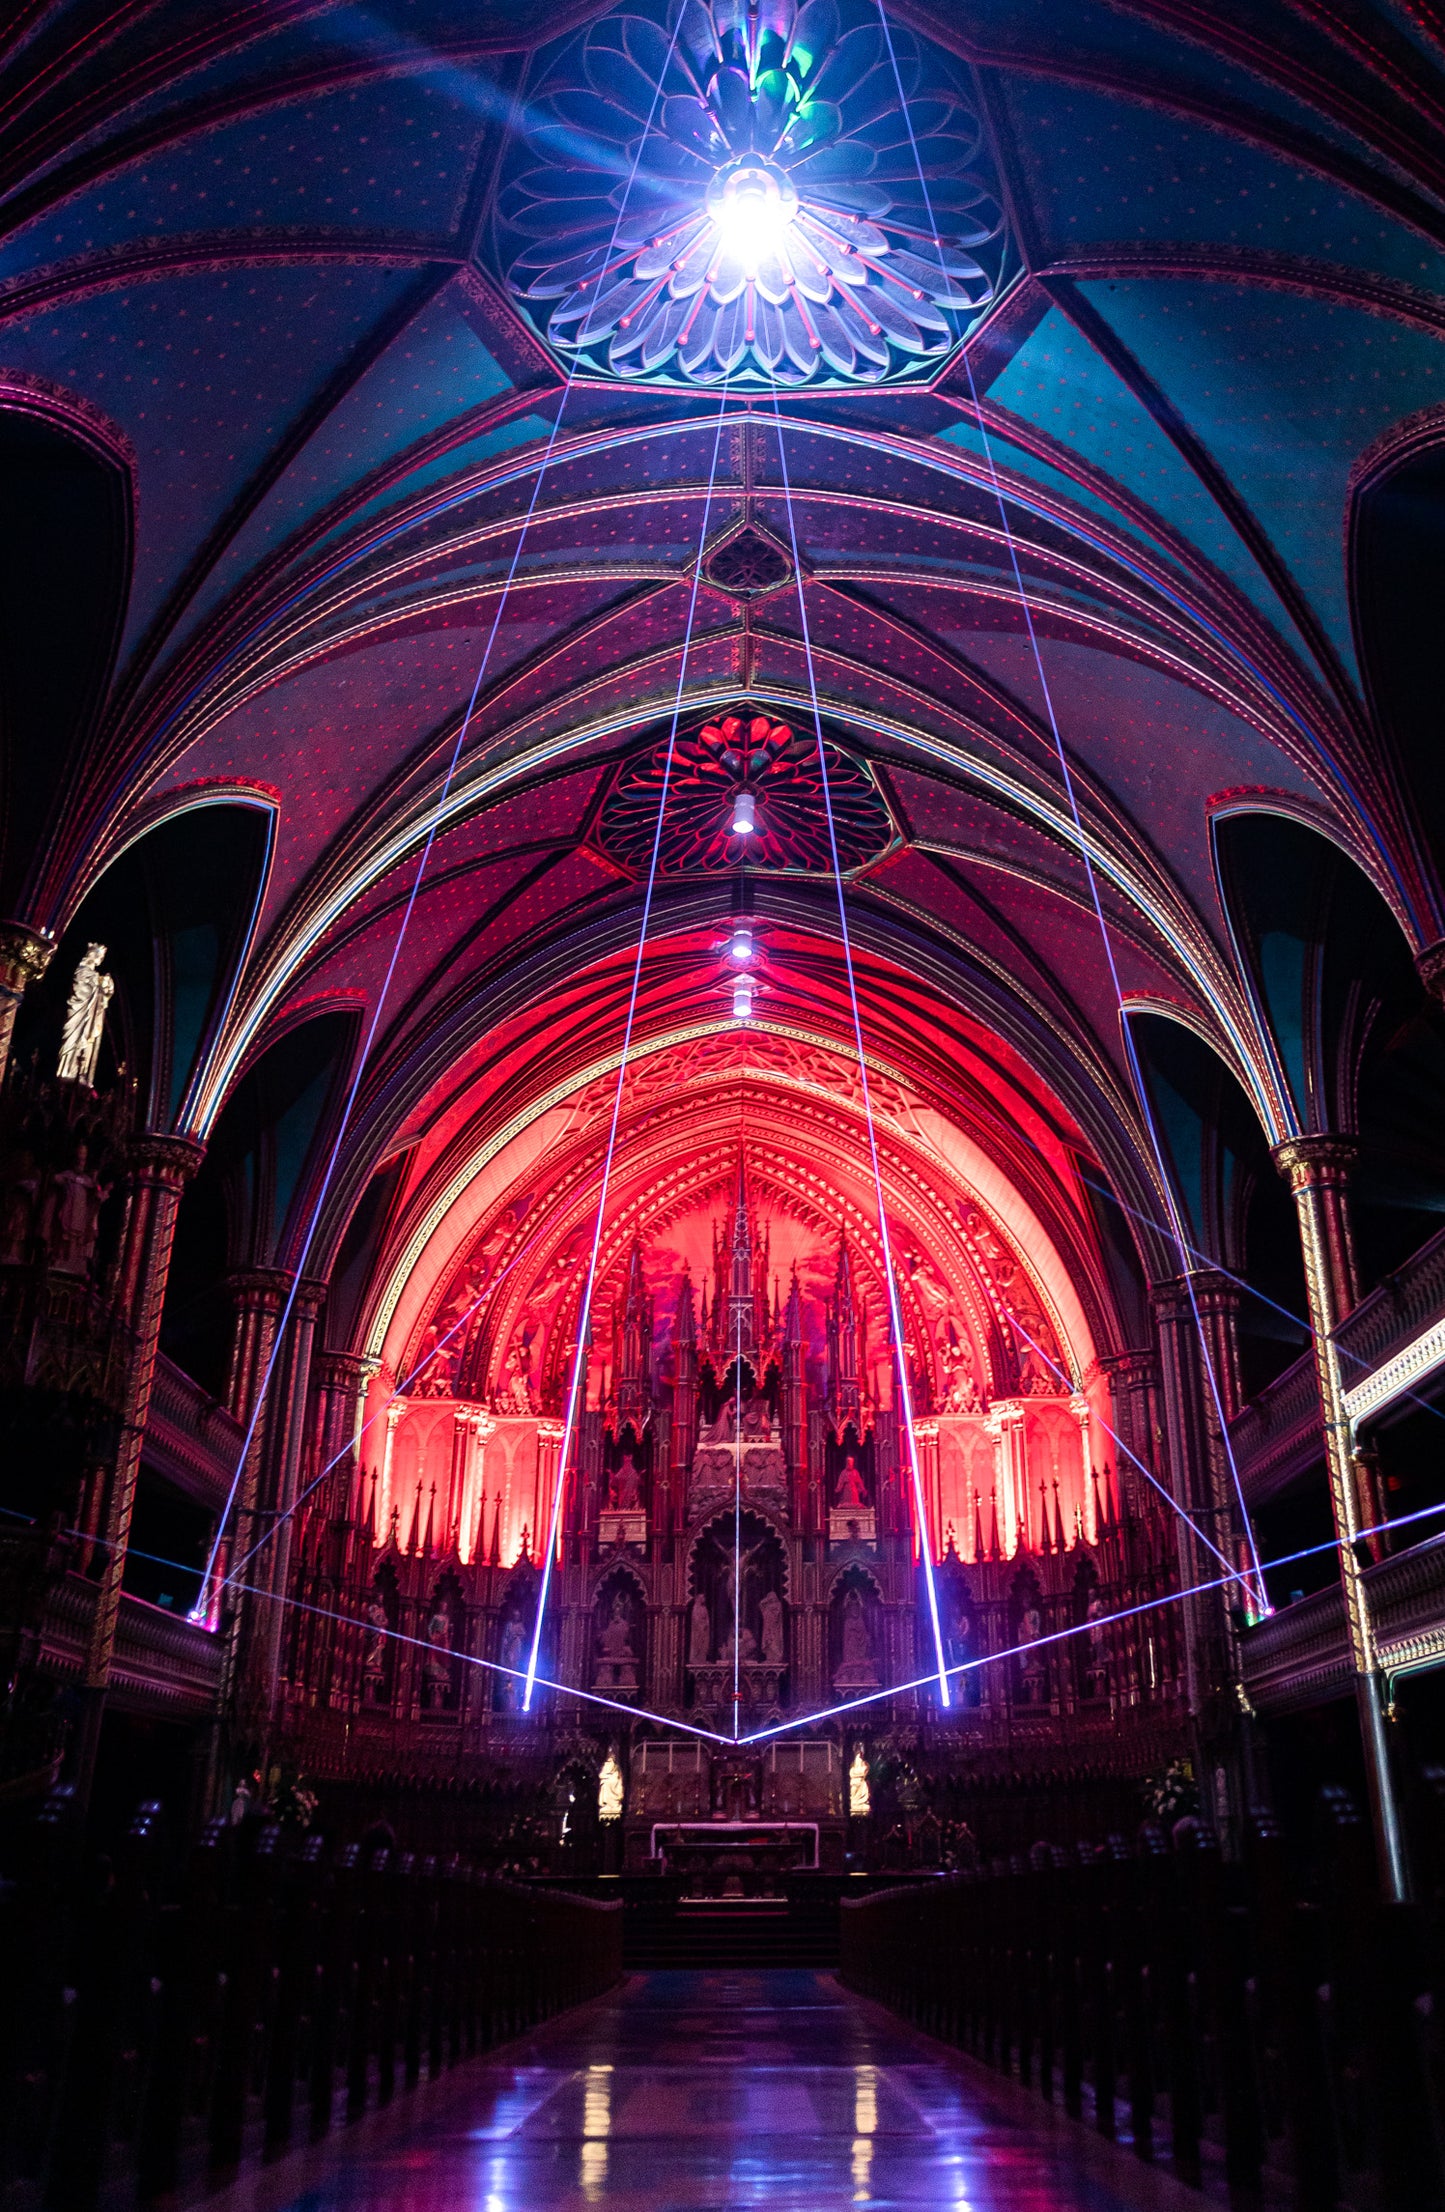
x: 1318, y: 1169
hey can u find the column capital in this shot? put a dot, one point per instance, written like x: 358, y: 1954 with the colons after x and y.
x: 25, y: 955
x: 344, y: 1370
x: 1320, y: 1158
x: 1208, y: 1288
x: 265, y: 1288
x: 1430, y: 967
x: 1140, y: 1364
x: 157, y: 1158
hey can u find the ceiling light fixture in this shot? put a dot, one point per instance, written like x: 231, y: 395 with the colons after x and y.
x: 745, y: 813
x: 752, y: 208
x: 743, y: 999
x: 740, y: 947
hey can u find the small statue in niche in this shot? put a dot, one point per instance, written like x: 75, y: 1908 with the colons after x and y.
x: 617, y: 1661
x: 857, y: 1643
x: 374, y: 1661
x: 615, y: 1642
x: 90, y: 995
x: 850, y: 1486
x: 1031, y: 1629
x: 699, y: 1632
x: 70, y: 1220
x: 627, y: 1487
x: 770, y: 1618
x: 725, y: 1428
x: 512, y: 1656
x: 17, y: 1215
x: 856, y: 1669
x: 439, y: 1656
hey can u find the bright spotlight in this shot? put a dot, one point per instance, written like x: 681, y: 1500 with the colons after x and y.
x: 752, y: 207
x: 745, y: 814
x: 743, y: 999
x: 741, y: 946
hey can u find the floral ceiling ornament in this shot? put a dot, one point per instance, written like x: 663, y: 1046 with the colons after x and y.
x: 778, y: 765
x: 744, y: 201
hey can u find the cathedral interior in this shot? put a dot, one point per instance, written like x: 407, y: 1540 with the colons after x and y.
x: 722, y: 1070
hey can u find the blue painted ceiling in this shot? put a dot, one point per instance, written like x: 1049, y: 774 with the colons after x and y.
x: 264, y: 258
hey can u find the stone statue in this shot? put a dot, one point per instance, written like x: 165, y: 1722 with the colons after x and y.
x: 770, y: 1615
x: 725, y: 1428
x: 512, y: 1655
x: 857, y: 1643
x: 850, y: 1486
x: 856, y: 1669
x: 439, y: 1656
x: 90, y: 995
x: 70, y: 1221
x: 627, y: 1487
x: 17, y: 1218
x: 374, y: 1663
x: 699, y: 1633
x: 615, y: 1642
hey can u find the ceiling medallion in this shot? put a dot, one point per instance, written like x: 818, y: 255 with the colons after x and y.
x: 744, y: 754
x: 745, y: 201
x: 748, y: 564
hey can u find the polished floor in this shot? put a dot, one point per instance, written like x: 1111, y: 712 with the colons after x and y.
x: 716, y: 2093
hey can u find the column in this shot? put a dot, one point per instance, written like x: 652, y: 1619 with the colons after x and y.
x: 474, y: 1508
x: 1197, y: 1481
x: 159, y: 1169
x: 1005, y: 1424
x: 258, y: 1300
x: 288, y: 1392
x: 341, y: 1385
x: 24, y: 958
x: 925, y: 1437
x: 1134, y: 1390
x: 1318, y: 1168
x: 457, y: 1500
x: 396, y: 1413
x: 1082, y: 1412
x: 549, y: 1442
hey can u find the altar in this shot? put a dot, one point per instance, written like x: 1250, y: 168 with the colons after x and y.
x: 735, y: 1858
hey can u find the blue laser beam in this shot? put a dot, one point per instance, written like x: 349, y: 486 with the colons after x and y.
x: 895, y: 1316
x: 1071, y: 794
x: 584, y: 1315
x: 424, y: 858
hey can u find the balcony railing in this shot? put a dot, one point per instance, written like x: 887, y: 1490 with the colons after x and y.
x: 1299, y: 1657
x: 1278, y: 1434
x: 163, y: 1663
x: 191, y: 1439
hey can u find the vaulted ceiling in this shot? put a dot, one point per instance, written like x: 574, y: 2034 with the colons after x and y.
x: 376, y: 528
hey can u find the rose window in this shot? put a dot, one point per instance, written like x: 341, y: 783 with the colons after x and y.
x: 751, y: 200
x: 744, y: 769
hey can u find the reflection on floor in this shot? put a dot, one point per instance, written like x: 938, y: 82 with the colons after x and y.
x: 710, y: 2092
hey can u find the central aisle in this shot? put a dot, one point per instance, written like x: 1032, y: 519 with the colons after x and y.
x: 709, y: 2092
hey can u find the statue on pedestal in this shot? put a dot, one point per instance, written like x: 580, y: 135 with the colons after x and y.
x: 627, y: 1487
x: 856, y: 1668
x: 70, y: 1218
x: 17, y: 1215
x: 851, y: 1491
x: 770, y: 1616
x: 90, y: 995
x: 438, y: 1666
x: 699, y: 1632
x: 617, y: 1666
